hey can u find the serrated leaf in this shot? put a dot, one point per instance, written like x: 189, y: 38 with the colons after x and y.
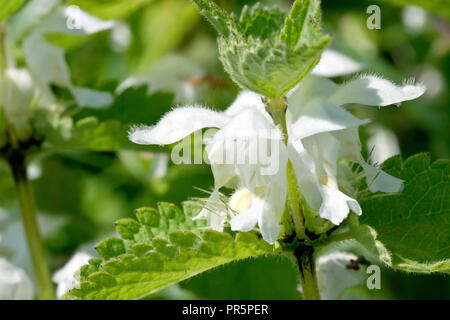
x: 221, y: 20
x: 414, y: 225
x: 265, y: 51
x: 261, y: 22
x: 303, y: 24
x: 8, y: 7
x: 127, y: 228
x: 133, y: 269
x: 110, y: 247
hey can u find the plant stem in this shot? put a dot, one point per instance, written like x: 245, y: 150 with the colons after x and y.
x: 277, y: 109
x: 307, y: 268
x: 2, y: 49
x: 28, y: 208
x: 294, y: 202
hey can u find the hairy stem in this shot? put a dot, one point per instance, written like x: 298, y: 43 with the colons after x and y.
x: 307, y: 268
x: 28, y: 209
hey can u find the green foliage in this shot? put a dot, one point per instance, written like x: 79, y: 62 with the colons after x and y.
x: 414, y: 224
x: 163, y: 25
x: 157, y: 250
x: 440, y: 7
x: 265, y: 277
x: 106, y: 129
x: 110, y: 9
x: 8, y: 7
x: 265, y: 51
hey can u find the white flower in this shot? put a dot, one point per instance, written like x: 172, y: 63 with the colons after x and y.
x: 46, y: 61
x: 14, y: 282
x: 65, y: 277
x: 334, y: 276
x: 320, y: 133
x: 333, y: 64
x: 260, y: 183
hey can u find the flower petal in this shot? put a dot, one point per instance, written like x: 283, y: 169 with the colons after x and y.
x: 378, y: 180
x: 310, y: 89
x: 246, y: 221
x: 336, y: 205
x: 269, y: 220
x: 375, y: 91
x: 177, y: 124
x: 333, y: 64
x: 245, y: 99
x: 319, y: 117
x: 334, y: 277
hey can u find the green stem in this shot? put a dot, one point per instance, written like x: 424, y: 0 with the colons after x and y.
x: 294, y: 204
x: 277, y: 109
x: 307, y: 268
x: 2, y: 49
x: 35, y: 245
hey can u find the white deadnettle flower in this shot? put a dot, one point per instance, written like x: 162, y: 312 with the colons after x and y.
x: 320, y: 134
x: 46, y: 61
x: 65, y: 277
x: 14, y: 282
x: 245, y: 129
x: 334, y: 64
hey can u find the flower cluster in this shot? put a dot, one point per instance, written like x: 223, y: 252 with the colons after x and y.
x: 320, y: 133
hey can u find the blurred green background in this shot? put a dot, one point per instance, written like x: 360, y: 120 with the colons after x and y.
x: 81, y: 194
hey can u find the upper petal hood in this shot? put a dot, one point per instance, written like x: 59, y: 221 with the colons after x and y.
x: 318, y: 117
x: 177, y: 124
x: 375, y: 91
x: 333, y: 64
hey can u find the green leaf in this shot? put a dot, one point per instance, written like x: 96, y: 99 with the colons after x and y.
x: 303, y: 24
x: 221, y: 20
x: 265, y: 51
x: 414, y: 225
x: 250, y: 279
x: 110, y: 9
x: 440, y: 7
x: 261, y: 22
x: 159, y: 251
x: 8, y: 7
